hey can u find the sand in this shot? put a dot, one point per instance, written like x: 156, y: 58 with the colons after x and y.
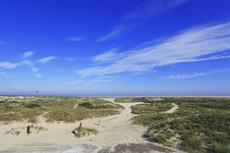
x: 173, y: 109
x: 114, y: 130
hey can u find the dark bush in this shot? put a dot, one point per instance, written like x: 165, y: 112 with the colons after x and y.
x: 160, y: 138
x: 211, y: 122
x: 86, y: 104
x: 194, y: 144
x: 32, y: 105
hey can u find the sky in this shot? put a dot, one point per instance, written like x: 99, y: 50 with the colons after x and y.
x: 115, y: 47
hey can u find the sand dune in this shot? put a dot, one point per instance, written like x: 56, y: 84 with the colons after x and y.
x: 116, y: 129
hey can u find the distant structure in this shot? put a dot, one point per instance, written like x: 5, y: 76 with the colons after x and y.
x: 37, y: 91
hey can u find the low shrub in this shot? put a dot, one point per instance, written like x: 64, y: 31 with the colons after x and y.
x: 86, y: 104
x: 33, y: 120
x: 194, y: 144
x: 85, y: 131
x: 160, y: 138
x: 32, y: 105
x: 170, y: 134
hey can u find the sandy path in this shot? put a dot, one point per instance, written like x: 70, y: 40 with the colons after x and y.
x: 173, y: 109
x: 113, y: 130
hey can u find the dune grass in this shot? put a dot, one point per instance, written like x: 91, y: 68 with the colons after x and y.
x: 85, y: 131
x: 23, y: 130
x: 151, y: 108
x: 58, y: 108
x: 201, y: 124
x: 136, y: 99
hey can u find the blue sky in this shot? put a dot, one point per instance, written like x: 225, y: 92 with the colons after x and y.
x: 115, y: 47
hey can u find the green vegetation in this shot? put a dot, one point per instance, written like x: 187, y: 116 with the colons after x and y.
x: 101, y: 104
x: 32, y: 105
x: 56, y: 108
x: 33, y: 120
x: 137, y: 99
x: 151, y: 108
x: 199, y: 125
x: 72, y: 115
x: 85, y: 131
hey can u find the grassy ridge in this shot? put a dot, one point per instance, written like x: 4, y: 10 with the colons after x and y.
x: 136, y: 99
x: 67, y: 109
x: 151, y: 108
x: 199, y: 125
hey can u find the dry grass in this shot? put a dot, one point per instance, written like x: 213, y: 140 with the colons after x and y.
x: 59, y: 108
x: 85, y: 131
x: 23, y: 130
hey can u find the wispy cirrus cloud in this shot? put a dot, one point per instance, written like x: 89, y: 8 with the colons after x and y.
x: 3, y: 43
x: 34, y: 69
x: 9, y: 65
x: 114, y: 34
x: 76, y: 39
x: 75, y: 82
x: 108, y: 56
x: 104, y: 79
x: 71, y: 59
x: 99, y: 79
x: 30, y: 64
x: 185, y: 76
x: 27, y: 54
x: 38, y: 75
x: 7, y: 76
x: 193, y: 45
x: 142, y: 13
x: 46, y: 59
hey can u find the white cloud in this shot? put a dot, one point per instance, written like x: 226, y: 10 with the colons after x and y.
x: 76, y: 39
x: 35, y: 70
x: 47, y: 59
x: 70, y: 59
x: 75, y: 82
x: 26, y: 62
x: 114, y: 77
x: 192, y: 45
x: 8, y: 65
x: 38, y: 75
x: 101, y: 79
x: 114, y: 34
x: 5, y: 75
x: 143, y: 12
x: 94, y: 81
x: 183, y: 76
x: 30, y: 64
x: 149, y: 8
x: 27, y: 54
x: 108, y: 56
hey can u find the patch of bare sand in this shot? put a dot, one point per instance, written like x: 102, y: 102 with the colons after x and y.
x: 172, y: 110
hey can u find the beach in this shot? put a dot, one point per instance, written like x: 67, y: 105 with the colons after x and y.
x: 114, y: 130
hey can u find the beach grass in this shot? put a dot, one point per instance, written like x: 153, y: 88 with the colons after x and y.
x: 55, y: 108
x: 86, y: 131
x: 199, y: 125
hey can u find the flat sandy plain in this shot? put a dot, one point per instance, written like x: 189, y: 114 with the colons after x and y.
x: 117, y: 134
